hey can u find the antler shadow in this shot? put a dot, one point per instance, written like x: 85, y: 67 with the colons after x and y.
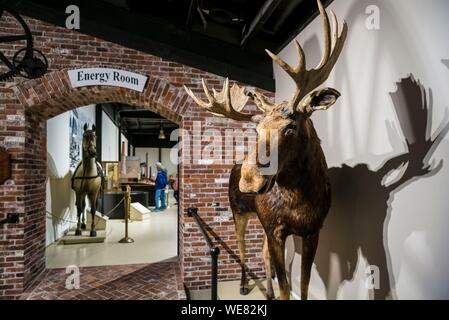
x: 445, y: 62
x: 361, y: 198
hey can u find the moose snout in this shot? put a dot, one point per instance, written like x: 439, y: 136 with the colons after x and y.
x: 251, y: 181
x: 252, y: 187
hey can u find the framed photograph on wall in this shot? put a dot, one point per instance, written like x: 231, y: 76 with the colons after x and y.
x: 76, y: 139
x: 78, y: 117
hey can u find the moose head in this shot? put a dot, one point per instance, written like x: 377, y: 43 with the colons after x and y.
x: 289, y: 120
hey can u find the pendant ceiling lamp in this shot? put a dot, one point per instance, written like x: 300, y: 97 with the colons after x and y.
x: 161, y: 133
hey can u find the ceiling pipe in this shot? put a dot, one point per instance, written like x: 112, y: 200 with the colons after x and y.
x: 291, y: 5
x: 190, y: 14
x: 262, y: 16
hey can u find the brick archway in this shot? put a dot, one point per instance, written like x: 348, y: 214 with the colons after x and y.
x: 51, y: 95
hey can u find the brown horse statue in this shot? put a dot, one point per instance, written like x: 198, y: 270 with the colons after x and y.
x: 87, y: 181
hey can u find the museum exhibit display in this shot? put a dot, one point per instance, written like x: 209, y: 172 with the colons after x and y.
x: 175, y: 150
x: 113, y: 206
x: 284, y: 203
x: 112, y: 176
x: 87, y: 181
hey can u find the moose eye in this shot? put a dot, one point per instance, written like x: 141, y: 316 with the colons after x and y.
x: 290, y: 128
x: 286, y: 111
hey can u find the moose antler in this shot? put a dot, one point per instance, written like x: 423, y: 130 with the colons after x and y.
x: 308, y: 80
x: 228, y: 103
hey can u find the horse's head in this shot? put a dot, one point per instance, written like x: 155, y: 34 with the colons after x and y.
x: 89, y: 142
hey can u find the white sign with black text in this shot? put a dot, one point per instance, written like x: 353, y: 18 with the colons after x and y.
x: 107, y: 77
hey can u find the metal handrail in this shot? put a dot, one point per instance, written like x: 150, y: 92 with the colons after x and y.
x: 213, y: 251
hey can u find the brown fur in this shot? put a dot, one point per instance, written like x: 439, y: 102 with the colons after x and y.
x: 296, y: 203
x: 296, y: 198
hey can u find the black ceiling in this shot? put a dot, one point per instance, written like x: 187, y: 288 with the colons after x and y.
x: 225, y: 37
x: 140, y: 126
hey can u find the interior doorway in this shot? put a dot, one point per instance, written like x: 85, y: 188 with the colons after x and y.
x: 130, y: 142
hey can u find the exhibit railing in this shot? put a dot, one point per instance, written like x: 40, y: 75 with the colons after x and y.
x: 214, y: 251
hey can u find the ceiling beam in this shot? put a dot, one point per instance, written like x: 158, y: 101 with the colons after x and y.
x: 149, y: 132
x: 311, y: 12
x: 262, y: 16
x: 152, y: 141
x: 141, y: 114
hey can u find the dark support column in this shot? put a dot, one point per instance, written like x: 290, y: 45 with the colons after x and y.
x: 129, y: 145
x: 98, y: 122
x: 120, y: 143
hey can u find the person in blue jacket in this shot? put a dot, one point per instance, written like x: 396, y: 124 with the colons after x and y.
x: 160, y: 184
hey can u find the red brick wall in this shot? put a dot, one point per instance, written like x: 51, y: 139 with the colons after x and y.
x: 26, y: 105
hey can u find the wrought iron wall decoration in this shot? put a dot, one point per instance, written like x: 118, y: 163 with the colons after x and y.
x: 27, y: 62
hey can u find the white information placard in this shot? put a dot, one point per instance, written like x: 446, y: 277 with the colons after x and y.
x: 107, y: 77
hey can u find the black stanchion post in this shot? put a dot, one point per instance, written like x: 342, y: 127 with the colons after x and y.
x: 214, y: 252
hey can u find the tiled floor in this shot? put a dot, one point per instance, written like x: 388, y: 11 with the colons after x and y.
x: 155, y: 239
x: 157, y: 281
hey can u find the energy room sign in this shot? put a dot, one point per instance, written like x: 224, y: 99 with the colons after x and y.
x: 107, y: 77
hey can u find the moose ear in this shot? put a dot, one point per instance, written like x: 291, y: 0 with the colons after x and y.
x: 321, y: 99
x: 93, y: 128
x: 85, y: 127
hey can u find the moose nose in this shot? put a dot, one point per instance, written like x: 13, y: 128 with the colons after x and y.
x: 252, y: 188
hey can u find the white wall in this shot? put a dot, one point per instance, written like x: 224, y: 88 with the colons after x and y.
x: 402, y: 230
x: 153, y: 157
x: 60, y: 199
x: 109, y: 139
x: 172, y: 168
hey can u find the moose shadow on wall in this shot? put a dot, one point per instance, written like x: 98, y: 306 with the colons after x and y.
x: 361, y: 197
x: 445, y: 62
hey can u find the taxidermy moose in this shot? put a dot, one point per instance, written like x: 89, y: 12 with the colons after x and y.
x: 295, y: 199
